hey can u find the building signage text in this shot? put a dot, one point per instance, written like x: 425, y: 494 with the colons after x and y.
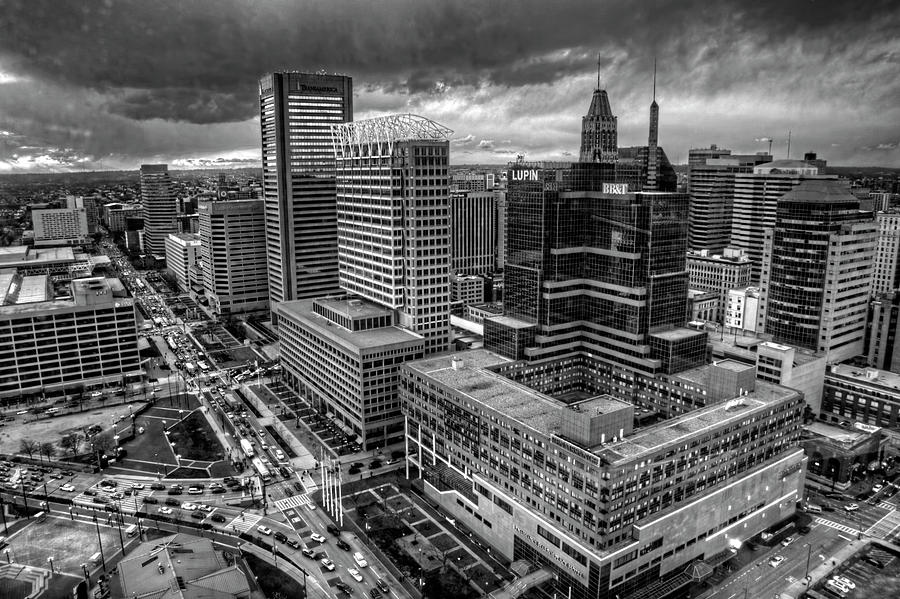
x: 616, y: 188
x: 524, y: 175
x: 317, y: 88
x: 550, y: 551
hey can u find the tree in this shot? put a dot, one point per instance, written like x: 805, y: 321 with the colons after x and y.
x: 28, y: 446
x: 71, y: 442
x: 48, y: 448
x: 102, y: 443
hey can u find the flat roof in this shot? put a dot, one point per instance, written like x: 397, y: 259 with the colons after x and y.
x: 868, y: 376
x: 356, y: 341
x: 732, y: 365
x: 21, y: 255
x: 96, y: 291
x: 473, y: 379
x: 836, y: 433
x: 353, y: 307
x: 677, y: 334
x: 511, y: 322
x: 655, y: 437
x: 33, y: 289
x: 601, y: 404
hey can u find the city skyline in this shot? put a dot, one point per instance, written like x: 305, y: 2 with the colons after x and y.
x: 111, y: 86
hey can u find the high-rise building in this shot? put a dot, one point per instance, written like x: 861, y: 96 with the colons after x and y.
x: 233, y: 250
x: 756, y: 198
x: 297, y: 111
x: 118, y: 214
x: 817, y: 271
x: 593, y: 501
x: 711, y: 187
x: 393, y: 212
x: 886, y: 278
x: 599, y: 130
x: 182, y: 252
x: 159, y: 207
x: 91, y: 205
x: 719, y: 273
x: 473, y: 242
x: 653, y: 141
x: 57, y: 345
x: 394, y: 222
x: 699, y: 156
x: 882, y: 340
x: 60, y: 226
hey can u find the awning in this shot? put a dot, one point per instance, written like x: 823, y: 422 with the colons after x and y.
x: 329, y: 414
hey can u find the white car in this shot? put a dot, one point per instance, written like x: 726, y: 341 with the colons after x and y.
x: 841, y: 589
x: 877, y: 488
x: 360, y: 560
x: 328, y: 564
x: 788, y: 541
x: 776, y: 561
x: 851, y: 507
x: 844, y: 581
x: 279, y: 454
x: 67, y: 488
x: 355, y: 574
x: 189, y: 506
x: 317, y: 537
x: 165, y: 510
x: 96, y: 394
x: 264, y: 530
x: 195, y: 491
x: 205, y: 508
x: 137, y: 486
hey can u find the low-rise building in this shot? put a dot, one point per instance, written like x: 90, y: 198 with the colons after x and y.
x: 703, y: 306
x: 837, y: 453
x: 54, y: 343
x: 866, y: 396
x: 742, y: 310
x: 466, y: 290
x: 60, y: 226
x: 719, y: 273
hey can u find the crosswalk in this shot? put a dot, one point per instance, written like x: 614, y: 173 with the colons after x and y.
x: 836, y: 526
x: 295, y: 501
x: 132, y: 504
x: 886, y: 505
x: 885, y: 526
x: 245, y: 523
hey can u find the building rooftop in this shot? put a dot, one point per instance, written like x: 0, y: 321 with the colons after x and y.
x: 33, y: 289
x: 601, y: 404
x: 353, y: 307
x: 21, y: 255
x: 473, y: 379
x: 30, y: 294
x: 354, y: 341
x: 867, y: 376
x: 845, y: 436
x: 509, y: 321
x: 186, y: 238
x: 677, y: 334
x: 651, y: 439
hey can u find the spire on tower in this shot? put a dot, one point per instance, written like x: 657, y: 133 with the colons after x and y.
x: 598, y: 70
x: 654, y: 79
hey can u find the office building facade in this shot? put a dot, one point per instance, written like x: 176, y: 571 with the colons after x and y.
x: 868, y: 396
x: 886, y: 278
x: 742, y: 310
x: 297, y: 111
x: 60, y: 226
x: 159, y: 208
x: 393, y: 211
x: 473, y: 241
x: 756, y: 198
x: 817, y: 271
x: 719, y: 273
x: 59, y: 345
x: 233, y: 249
x: 598, y: 505
x: 599, y: 131
x: 182, y: 252
x: 118, y: 216
x: 882, y: 340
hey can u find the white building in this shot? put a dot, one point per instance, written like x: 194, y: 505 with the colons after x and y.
x: 886, y: 277
x: 182, y: 252
x: 60, y: 226
x: 718, y: 273
x: 741, y: 312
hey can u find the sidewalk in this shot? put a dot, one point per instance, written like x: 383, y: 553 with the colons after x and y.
x: 824, y: 569
x: 305, y: 460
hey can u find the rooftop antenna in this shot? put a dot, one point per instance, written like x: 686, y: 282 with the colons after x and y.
x: 654, y: 79
x: 598, y: 69
x: 789, y: 144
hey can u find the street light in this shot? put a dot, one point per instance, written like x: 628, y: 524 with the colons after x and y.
x: 50, y: 559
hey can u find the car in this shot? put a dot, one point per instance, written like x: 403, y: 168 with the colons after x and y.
x: 264, y: 530
x: 198, y: 515
x: 317, y: 537
x: 342, y: 544
x: 299, y: 487
x: 360, y: 560
x: 375, y: 594
x: 308, y: 552
x: 171, y: 501
x: 165, y: 510
x: 327, y: 564
x: 332, y: 529
x: 788, y: 541
x: 311, y: 505
x: 382, y: 585
x: 204, y: 508
x: 873, y: 561
x: 343, y: 586
x: 279, y: 454
x: 294, y: 543
x: 877, y: 488
x: 108, y: 482
x: 217, y: 490
x: 837, y: 588
x: 57, y: 476
x: 280, y: 536
x: 138, y: 486
x: 355, y: 574
x: 151, y: 500
x: 96, y: 394
x: 218, y: 518
x: 67, y: 488
x: 174, y: 491
x: 844, y: 581
x: 195, y: 491
x: 776, y: 561
x: 374, y: 465
x: 851, y: 507
x: 189, y: 506
x: 265, y: 447
x: 158, y: 487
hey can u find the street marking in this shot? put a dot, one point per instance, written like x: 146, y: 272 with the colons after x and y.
x: 836, y: 526
x: 845, y: 538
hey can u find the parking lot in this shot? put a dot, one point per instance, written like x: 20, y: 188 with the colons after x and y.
x: 875, y: 573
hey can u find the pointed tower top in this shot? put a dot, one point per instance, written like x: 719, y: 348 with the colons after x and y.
x: 654, y: 79
x: 598, y: 70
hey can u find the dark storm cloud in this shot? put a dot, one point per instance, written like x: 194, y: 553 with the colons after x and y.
x: 137, y: 62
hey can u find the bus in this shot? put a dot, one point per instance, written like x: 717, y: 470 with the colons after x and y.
x: 261, y: 470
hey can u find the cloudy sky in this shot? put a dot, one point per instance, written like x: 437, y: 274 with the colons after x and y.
x: 93, y: 84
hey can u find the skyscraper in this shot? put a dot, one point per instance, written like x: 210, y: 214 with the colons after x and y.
x: 296, y: 114
x: 756, y: 198
x: 817, y: 271
x: 393, y: 206
x: 653, y: 140
x: 158, y: 203
x: 599, y: 129
x: 473, y: 218
x: 887, y: 256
